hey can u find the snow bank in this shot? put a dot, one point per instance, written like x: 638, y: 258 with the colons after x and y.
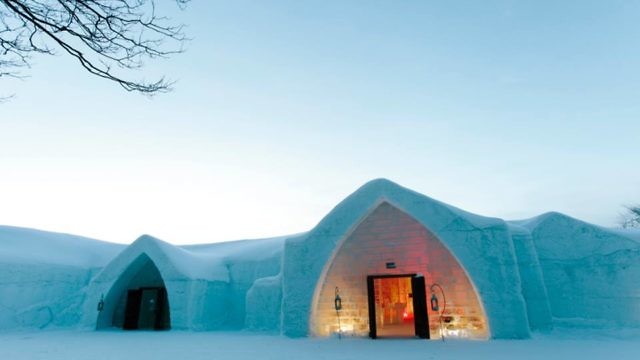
x: 64, y: 345
x: 245, y: 262
x: 591, y: 273
x: 533, y: 287
x: 264, y: 300
x: 43, y: 276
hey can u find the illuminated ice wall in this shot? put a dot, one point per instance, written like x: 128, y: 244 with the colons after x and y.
x: 390, y: 235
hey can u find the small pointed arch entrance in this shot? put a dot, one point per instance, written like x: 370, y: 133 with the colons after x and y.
x: 382, y: 272
x: 137, y: 300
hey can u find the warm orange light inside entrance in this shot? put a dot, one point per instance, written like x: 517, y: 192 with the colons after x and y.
x: 394, y: 307
x: 389, y: 235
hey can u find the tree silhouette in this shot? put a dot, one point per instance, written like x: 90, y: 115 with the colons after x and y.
x: 106, y: 37
x: 631, y: 218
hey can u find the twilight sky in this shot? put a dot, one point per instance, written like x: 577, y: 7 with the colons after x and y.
x: 283, y: 108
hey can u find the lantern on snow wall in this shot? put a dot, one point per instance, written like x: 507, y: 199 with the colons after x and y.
x: 101, y: 303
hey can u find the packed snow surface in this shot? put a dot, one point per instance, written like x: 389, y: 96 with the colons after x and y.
x: 107, y: 345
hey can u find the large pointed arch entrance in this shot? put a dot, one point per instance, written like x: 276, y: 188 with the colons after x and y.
x: 386, y: 275
x: 137, y: 300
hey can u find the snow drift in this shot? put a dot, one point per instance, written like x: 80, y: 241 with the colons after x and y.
x: 44, y: 276
x: 590, y: 273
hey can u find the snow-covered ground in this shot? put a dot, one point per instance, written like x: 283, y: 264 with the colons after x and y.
x: 68, y: 345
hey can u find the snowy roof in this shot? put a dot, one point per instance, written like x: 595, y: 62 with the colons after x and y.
x: 560, y: 236
x: 387, y: 190
x: 211, y: 261
x: 205, y: 262
x: 532, y: 223
x: 241, y: 250
x: 29, y: 246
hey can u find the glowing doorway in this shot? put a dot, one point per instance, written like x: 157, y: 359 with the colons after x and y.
x: 397, y: 306
x: 390, y: 242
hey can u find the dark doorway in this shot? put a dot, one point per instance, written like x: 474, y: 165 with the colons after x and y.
x: 397, y: 306
x: 147, y: 309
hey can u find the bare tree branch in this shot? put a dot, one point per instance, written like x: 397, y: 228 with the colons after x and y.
x: 104, y: 36
x: 631, y: 218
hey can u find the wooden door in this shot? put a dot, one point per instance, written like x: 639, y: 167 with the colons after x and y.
x: 421, y: 318
x: 132, y: 309
x: 148, y: 308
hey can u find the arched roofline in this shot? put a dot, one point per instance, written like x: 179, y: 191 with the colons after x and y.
x: 153, y: 248
x: 380, y: 201
x: 114, y: 277
x: 380, y: 190
x: 117, y: 286
x: 444, y: 221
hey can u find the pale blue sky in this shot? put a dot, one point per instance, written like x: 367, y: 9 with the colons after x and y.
x: 283, y: 108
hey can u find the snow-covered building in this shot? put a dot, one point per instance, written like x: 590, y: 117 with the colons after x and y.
x: 198, y: 287
x: 386, y: 261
